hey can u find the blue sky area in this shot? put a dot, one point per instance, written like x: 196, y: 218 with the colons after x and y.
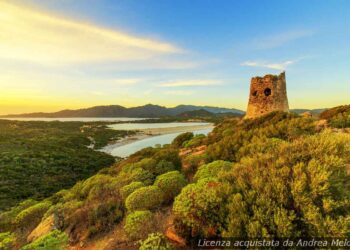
x: 81, y: 53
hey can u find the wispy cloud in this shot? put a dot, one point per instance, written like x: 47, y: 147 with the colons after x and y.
x: 127, y: 81
x: 280, y: 39
x: 262, y: 64
x: 179, y: 92
x: 97, y: 93
x: 35, y: 36
x: 190, y: 83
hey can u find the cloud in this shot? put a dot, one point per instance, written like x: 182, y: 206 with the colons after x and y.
x: 127, y: 81
x: 277, y: 66
x: 190, y: 83
x: 34, y: 36
x: 179, y: 92
x: 97, y: 93
x: 280, y: 39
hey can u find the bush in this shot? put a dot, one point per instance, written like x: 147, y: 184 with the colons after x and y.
x: 103, y: 216
x: 195, y: 141
x: 55, y: 240
x: 298, y: 189
x: 212, y: 169
x: 31, y: 216
x: 181, y: 139
x: 7, y: 218
x: 171, y: 184
x: 155, y: 167
x: 142, y: 175
x: 156, y: 241
x: 128, y: 189
x: 139, y: 224
x: 163, y: 167
x: 148, y: 164
x: 7, y: 241
x: 170, y: 155
x: 200, y: 207
x: 144, y: 198
x: 192, y: 162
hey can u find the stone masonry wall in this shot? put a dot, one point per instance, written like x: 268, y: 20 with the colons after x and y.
x: 267, y: 94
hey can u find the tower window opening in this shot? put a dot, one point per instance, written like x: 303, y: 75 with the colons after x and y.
x: 255, y: 93
x: 267, y: 91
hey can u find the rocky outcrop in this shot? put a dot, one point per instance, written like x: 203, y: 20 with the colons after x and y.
x: 46, y: 226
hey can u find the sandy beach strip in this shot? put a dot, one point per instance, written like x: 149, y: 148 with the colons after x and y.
x: 146, y: 133
x: 171, y: 130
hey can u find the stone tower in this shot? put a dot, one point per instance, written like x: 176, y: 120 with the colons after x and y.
x: 267, y: 94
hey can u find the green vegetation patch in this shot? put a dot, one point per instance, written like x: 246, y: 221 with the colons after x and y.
x: 139, y: 224
x: 171, y: 184
x: 55, y: 240
x: 156, y: 241
x: 143, y: 198
x: 38, y: 159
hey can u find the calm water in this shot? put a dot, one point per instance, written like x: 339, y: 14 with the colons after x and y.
x: 135, y: 126
x: 126, y: 150
x: 80, y: 119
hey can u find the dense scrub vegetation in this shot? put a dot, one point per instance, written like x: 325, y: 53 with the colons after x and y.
x: 276, y: 176
x: 38, y: 159
x: 338, y: 117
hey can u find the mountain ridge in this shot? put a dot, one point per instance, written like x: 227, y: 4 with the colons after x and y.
x: 148, y: 110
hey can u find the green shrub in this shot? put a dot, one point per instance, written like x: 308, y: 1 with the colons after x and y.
x: 181, y: 139
x: 7, y: 219
x: 139, y: 224
x: 195, y: 141
x: 145, y: 198
x: 32, y: 215
x: 163, y: 167
x: 156, y: 241
x: 131, y: 173
x: 155, y: 167
x: 130, y: 188
x: 55, y: 240
x: 95, y: 186
x: 298, y: 189
x: 200, y: 207
x: 169, y: 155
x: 142, y: 175
x: 212, y: 169
x: 7, y: 240
x: 148, y: 164
x: 104, y: 215
x: 192, y: 162
x: 171, y: 184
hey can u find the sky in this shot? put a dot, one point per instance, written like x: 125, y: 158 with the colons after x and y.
x: 59, y: 54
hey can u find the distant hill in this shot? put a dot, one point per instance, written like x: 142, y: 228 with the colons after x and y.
x: 197, y: 113
x: 334, y: 112
x: 312, y: 111
x: 148, y: 110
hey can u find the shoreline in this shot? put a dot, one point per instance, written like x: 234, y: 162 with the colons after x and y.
x: 151, y: 132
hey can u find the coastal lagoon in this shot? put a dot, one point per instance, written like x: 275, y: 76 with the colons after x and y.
x: 141, y: 126
x: 151, y: 134
x: 130, y: 148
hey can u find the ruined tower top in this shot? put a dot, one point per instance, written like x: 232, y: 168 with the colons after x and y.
x: 267, y: 94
